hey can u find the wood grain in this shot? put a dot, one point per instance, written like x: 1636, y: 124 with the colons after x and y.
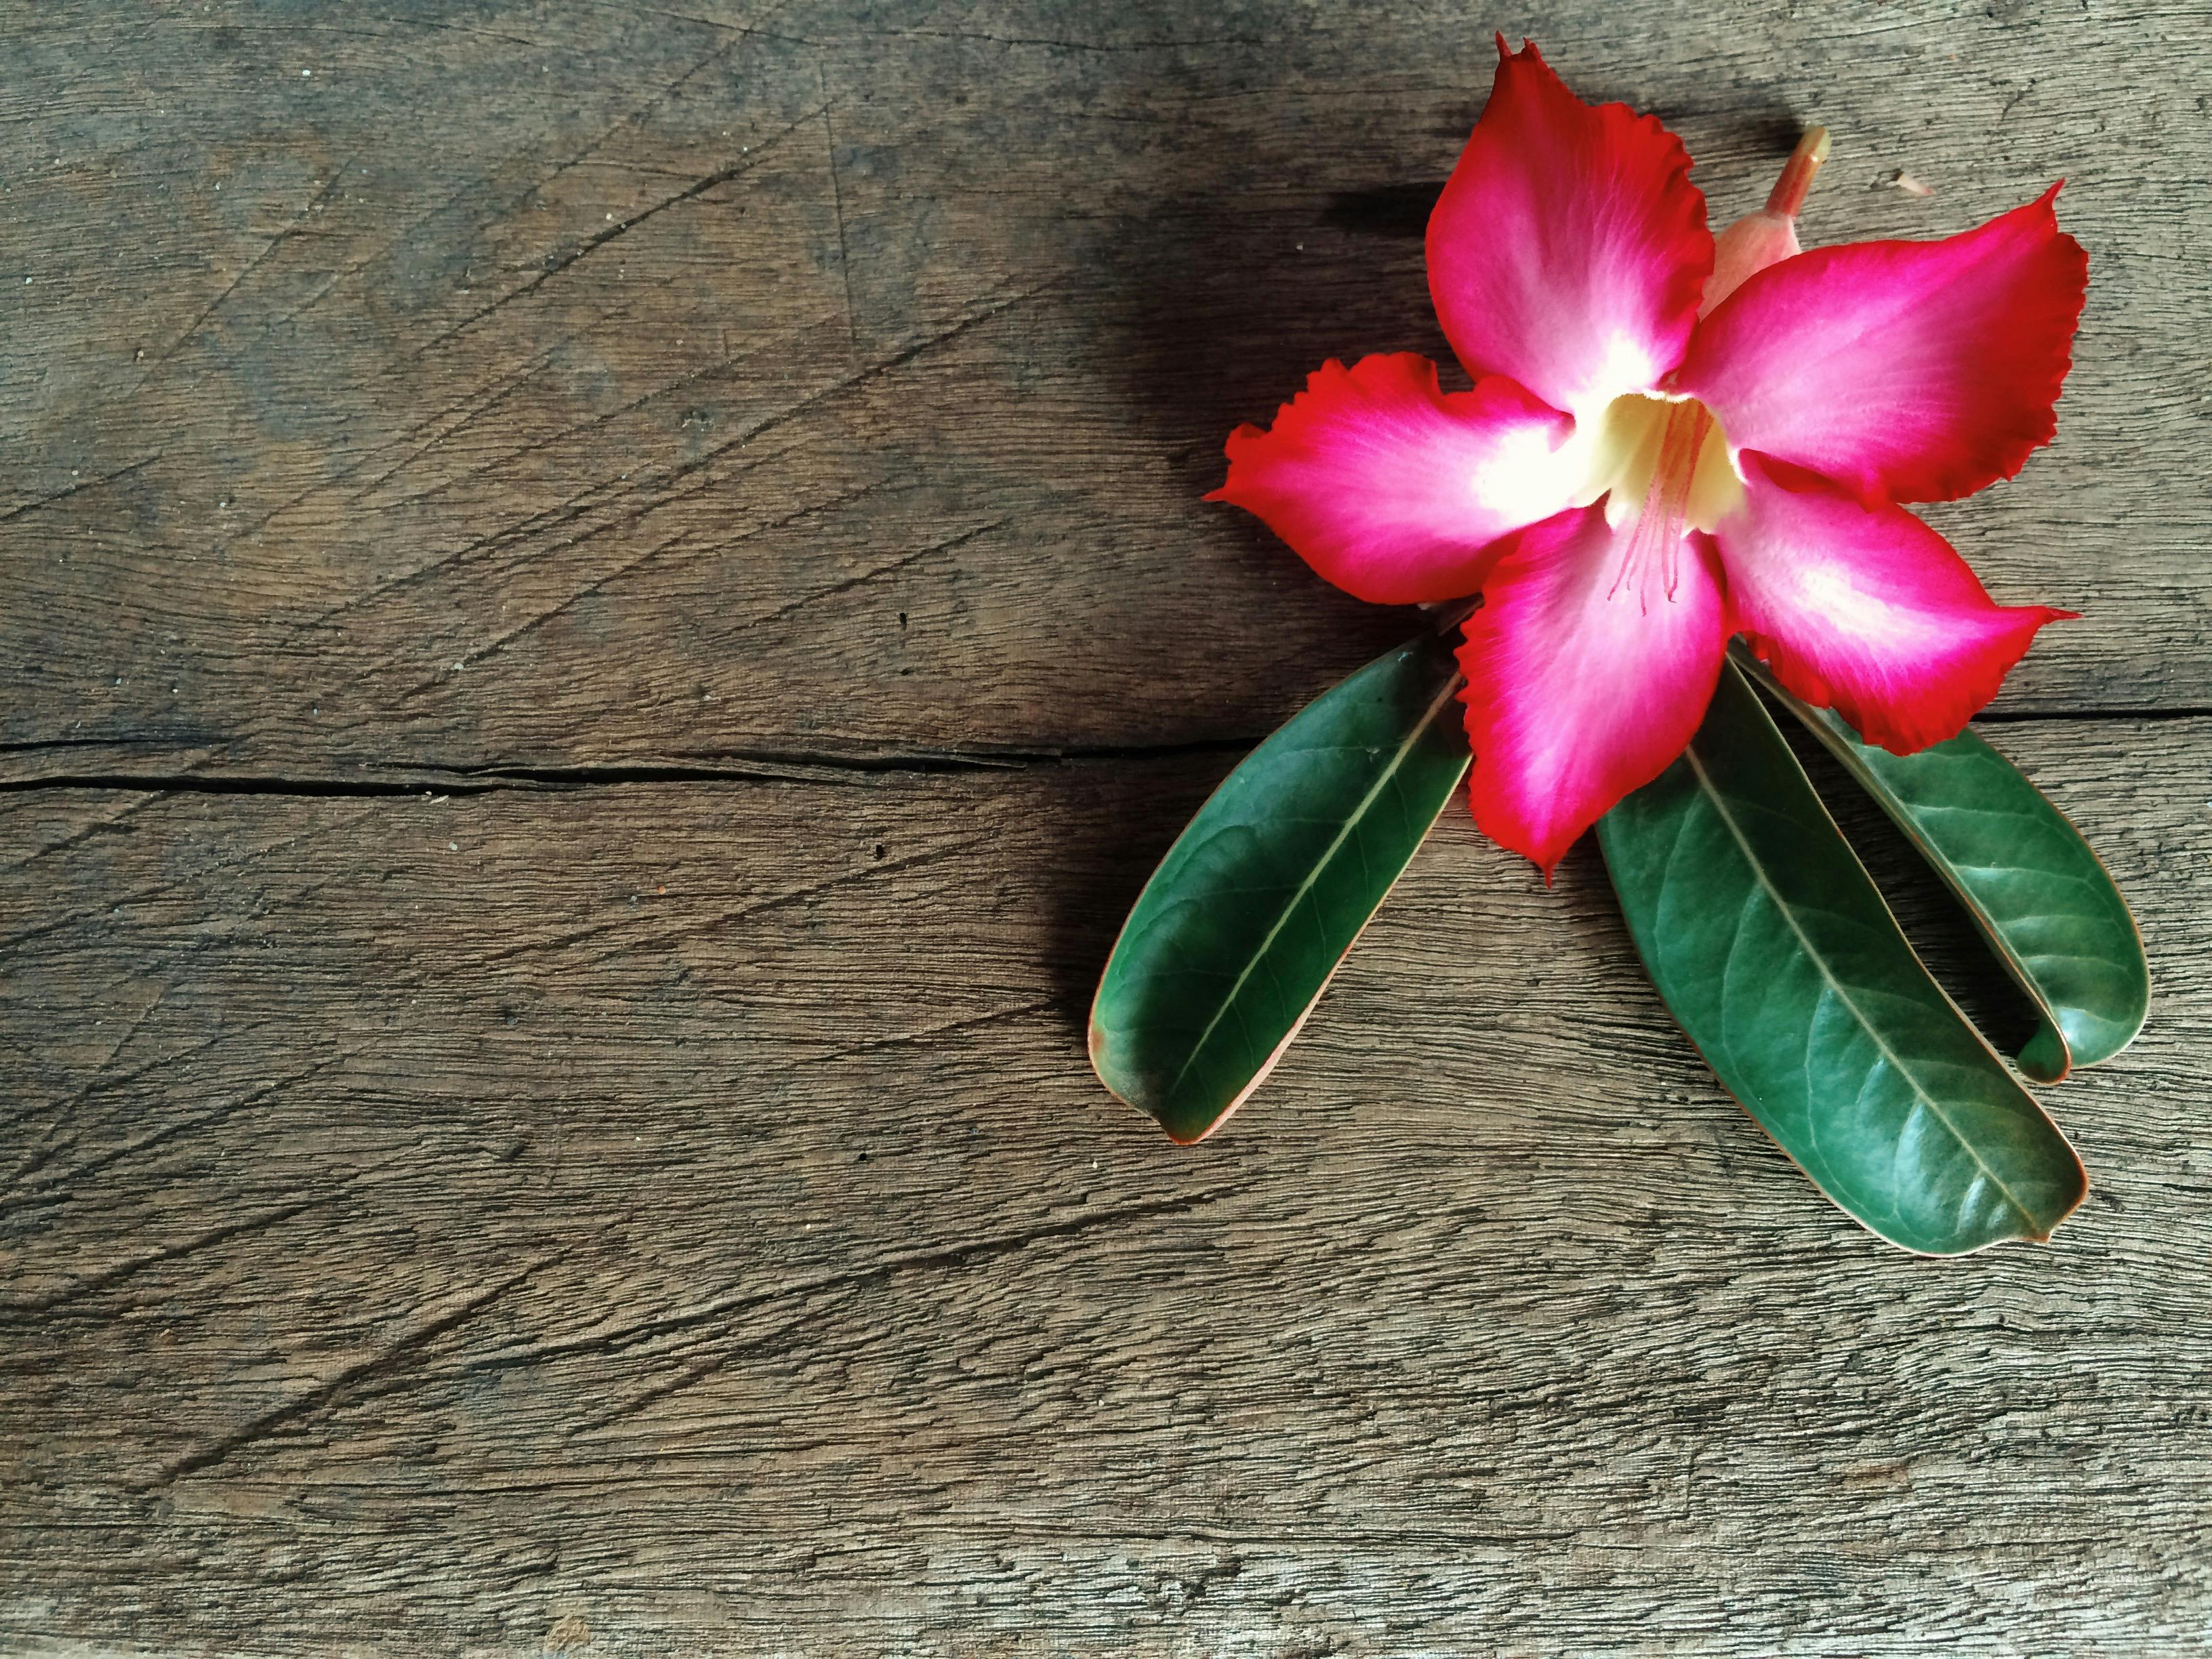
x: 686, y: 1207
x: 552, y: 385
x: 602, y: 609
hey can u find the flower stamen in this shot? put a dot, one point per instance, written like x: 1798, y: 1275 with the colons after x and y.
x: 1678, y: 490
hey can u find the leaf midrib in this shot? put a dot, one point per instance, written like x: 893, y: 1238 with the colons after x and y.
x: 1783, y: 908
x: 1352, y: 820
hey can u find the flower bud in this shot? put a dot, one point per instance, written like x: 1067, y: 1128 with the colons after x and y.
x: 1770, y: 235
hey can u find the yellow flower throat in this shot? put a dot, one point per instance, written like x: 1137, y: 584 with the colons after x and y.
x: 1662, y: 468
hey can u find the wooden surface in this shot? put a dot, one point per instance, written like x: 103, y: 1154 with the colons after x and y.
x: 602, y: 608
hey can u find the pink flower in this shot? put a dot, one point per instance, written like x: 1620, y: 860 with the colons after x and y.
x: 1670, y: 441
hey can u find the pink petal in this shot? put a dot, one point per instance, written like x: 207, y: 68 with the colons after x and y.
x: 1920, y: 371
x: 1865, y: 609
x: 1393, y: 489
x: 1570, y: 247
x: 1582, y: 686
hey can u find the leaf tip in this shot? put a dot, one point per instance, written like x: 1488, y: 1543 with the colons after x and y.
x: 2045, y: 1058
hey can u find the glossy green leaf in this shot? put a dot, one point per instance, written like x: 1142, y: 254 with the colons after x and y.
x: 1769, y: 944
x: 2039, y: 894
x: 1239, y: 929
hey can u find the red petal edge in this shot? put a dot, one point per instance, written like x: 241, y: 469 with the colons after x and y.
x: 1393, y: 489
x: 1865, y: 609
x: 1569, y: 249
x: 1906, y: 371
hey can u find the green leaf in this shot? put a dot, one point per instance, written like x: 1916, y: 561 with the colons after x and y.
x: 1237, y: 932
x: 1769, y: 944
x: 2041, y: 897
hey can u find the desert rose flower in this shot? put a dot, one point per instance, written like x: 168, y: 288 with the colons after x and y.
x: 1670, y: 441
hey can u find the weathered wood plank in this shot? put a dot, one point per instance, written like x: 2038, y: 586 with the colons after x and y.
x: 674, y: 1215
x: 681, y: 1214
x: 557, y: 383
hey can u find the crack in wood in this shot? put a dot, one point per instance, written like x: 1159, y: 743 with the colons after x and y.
x: 108, y: 1278
x: 291, y: 227
x: 120, y: 1272
x: 720, y: 367
x: 651, y: 554
x: 32, y: 1190
x: 763, y: 765
x: 934, y: 1259
x: 592, y: 244
x: 723, y: 766
x: 98, y: 1086
x: 698, y: 925
x: 393, y: 1357
x: 34, y: 505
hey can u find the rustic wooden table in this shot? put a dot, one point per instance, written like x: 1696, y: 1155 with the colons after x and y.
x: 602, y: 607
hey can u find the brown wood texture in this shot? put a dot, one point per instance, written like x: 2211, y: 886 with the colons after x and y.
x: 602, y: 608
